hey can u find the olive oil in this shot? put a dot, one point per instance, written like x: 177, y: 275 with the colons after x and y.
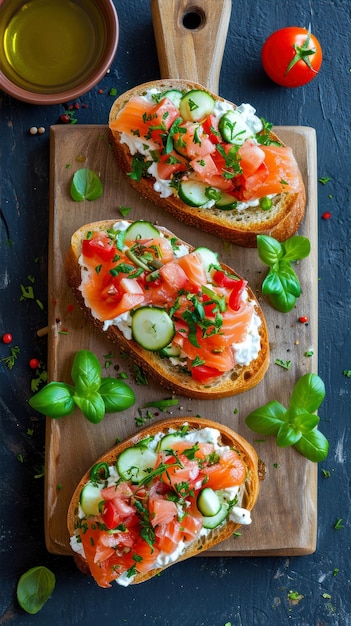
x: 48, y: 46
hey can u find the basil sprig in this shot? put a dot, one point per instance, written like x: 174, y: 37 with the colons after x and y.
x: 93, y: 394
x: 281, y: 284
x: 297, y: 425
x: 86, y: 185
x: 34, y: 588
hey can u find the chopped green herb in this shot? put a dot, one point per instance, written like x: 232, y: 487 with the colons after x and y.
x: 285, y: 364
x: 324, y: 180
x: 338, y: 524
x: 124, y: 210
x: 10, y: 360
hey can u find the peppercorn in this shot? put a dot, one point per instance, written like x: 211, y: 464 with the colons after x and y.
x: 64, y: 118
x: 34, y: 363
x: 7, y: 338
x: 303, y: 319
x: 326, y: 215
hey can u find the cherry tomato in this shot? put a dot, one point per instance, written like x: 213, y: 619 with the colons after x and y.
x: 204, y: 373
x: 110, y: 515
x: 292, y: 56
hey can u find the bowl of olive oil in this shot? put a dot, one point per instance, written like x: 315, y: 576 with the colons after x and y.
x: 52, y: 51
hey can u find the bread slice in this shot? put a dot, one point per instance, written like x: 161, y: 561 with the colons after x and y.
x: 249, y: 490
x: 238, y: 380
x: 238, y: 226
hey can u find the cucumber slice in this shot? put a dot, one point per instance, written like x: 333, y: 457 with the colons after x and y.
x: 173, y: 94
x: 226, y: 202
x: 233, y: 128
x: 90, y: 497
x: 170, y: 351
x: 168, y: 440
x: 196, y: 105
x: 208, y: 258
x: 215, y: 520
x: 208, y: 502
x: 152, y: 328
x: 141, y: 230
x: 136, y: 462
x: 193, y: 193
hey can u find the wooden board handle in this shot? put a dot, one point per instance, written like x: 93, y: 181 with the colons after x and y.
x: 190, y: 38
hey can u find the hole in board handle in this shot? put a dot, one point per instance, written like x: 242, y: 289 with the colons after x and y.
x: 194, y: 18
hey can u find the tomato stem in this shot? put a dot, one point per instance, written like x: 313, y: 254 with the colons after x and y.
x: 302, y: 53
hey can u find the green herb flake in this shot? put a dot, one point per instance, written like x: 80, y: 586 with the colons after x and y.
x: 324, y: 180
x: 338, y: 524
x: 347, y: 373
x: 124, y: 210
x: 11, y: 359
x: 113, y: 91
x: 284, y: 364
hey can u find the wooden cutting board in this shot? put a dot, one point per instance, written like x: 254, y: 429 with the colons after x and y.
x: 285, y: 517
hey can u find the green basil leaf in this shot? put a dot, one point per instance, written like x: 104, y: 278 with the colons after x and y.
x: 287, y: 436
x: 313, y: 445
x: 308, y: 393
x: 267, y: 419
x: 308, y: 421
x: 54, y: 400
x: 296, y: 248
x: 86, y: 185
x: 86, y: 372
x: 116, y: 395
x: 34, y: 588
x: 92, y: 406
x: 282, y: 302
x: 270, y: 251
x: 289, y: 280
x: 272, y: 283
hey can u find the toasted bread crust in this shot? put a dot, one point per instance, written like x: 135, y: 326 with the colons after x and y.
x: 228, y: 437
x: 241, y: 228
x: 240, y: 379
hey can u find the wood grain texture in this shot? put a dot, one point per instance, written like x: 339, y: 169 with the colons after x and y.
x: 285, y: 517
x: 190, y: 38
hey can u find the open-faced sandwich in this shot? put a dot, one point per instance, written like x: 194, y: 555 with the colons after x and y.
x: 186, y: 319
x: 210, y: 163
x: 164, y: 495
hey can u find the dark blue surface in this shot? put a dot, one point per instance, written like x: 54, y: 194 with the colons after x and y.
x: 203, y: 591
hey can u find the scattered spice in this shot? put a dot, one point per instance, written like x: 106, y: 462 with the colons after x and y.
x: 324, y: 180
x: 41, y: 130
x: 33, y: 130
x: 325, y: 473
x: 113, y: 91
x: 7, y: 338
x: 347, y: 373
x: 326, y: 215
x: 309, y: 353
